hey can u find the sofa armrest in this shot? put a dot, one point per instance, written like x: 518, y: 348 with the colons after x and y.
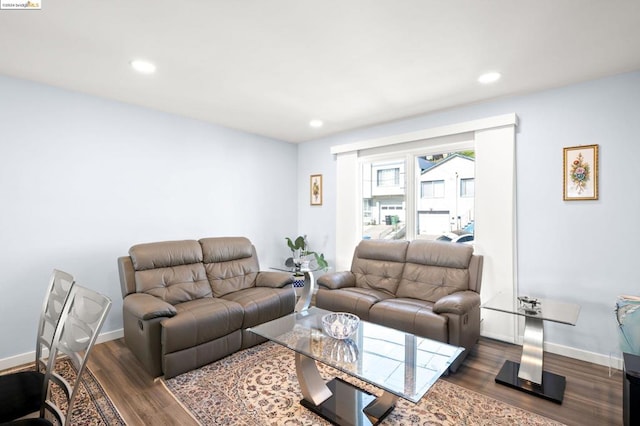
x: 459, y: 303
x: 273, y: 279
x: 336, y: 280
x: 146, y: 307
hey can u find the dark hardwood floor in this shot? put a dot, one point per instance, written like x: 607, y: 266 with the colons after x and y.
x: 591, y: 396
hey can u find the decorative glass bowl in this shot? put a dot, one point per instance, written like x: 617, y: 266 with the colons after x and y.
x: 340, y: 325
x: 344, y: 351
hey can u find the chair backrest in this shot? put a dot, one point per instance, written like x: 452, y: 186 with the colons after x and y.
x: 75, y: 335
x: 60, y: 285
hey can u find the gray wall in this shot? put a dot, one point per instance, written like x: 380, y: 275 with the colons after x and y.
x: 82, y: 179
x: 579, y: 251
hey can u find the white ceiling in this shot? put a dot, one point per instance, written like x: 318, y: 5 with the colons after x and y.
x: 269, y: 66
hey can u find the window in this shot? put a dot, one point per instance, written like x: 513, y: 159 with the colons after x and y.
x: 493, y: 140
x: 389, y: 177
x: 432, y: 189
x: 467, y: 187
x: 415, y: 194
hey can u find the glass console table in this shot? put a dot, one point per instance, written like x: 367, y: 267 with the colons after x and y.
x: 528, y: 375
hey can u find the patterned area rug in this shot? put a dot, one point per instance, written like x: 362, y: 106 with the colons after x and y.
x: 92, y: 406
x: 258, y: 386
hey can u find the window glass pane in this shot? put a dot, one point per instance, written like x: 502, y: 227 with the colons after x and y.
x: 383, y: 199
x: 467, y: 187
x: 432, y: 189
x: 389, y: 177
x: 445, y: 196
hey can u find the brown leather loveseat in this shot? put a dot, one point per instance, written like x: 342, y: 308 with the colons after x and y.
x: 189, y: 303
x: 427, y: 288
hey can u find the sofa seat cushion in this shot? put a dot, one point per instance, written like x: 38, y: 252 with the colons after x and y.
x: 354, y: 299
x: 199, y: 321
x: 262, y: 304
x: 411, y: 315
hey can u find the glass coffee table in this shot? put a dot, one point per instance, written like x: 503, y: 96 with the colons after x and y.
x: 400, y: 364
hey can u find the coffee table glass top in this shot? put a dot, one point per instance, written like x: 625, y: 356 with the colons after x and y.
x: 398, y: 362
x: 544, y: 309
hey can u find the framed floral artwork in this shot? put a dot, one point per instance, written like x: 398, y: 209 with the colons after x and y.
x: 316, y: 190
x: 580, y: 169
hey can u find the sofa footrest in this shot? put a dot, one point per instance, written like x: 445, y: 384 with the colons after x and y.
x: 194, y: 357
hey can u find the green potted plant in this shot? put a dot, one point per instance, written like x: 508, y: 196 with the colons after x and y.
x: 300, y: 254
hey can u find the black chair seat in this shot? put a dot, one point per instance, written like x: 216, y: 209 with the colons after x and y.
x: 20, y: 393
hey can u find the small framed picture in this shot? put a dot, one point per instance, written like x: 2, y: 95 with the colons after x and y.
x: 580, y: 169
x: 316, y: 190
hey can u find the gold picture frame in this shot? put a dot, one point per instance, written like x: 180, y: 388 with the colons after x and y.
x: 315, y: 190
x: 580, y: 173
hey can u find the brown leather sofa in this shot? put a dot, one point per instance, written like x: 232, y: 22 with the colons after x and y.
x: 427, y: 288
x: 189, y: 303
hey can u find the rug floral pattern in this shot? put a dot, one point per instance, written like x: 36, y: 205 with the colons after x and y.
x: 258, y: 386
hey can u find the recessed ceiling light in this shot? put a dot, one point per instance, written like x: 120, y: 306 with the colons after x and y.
x: 142, y: 66
x: 316, y: 123
x: 490, y: 77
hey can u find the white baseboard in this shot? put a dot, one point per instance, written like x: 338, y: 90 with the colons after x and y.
x: 611, y: 361
x: 30, y: 357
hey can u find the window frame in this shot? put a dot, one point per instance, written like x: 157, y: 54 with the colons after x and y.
x: 466, y: 180
x: 395, y: 178
x: 495, y: 141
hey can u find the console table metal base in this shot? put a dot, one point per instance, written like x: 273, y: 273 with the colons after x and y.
x: 551, y: 388
x: 350, y: 406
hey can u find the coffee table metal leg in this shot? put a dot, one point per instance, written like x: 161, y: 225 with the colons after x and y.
x: 314, y: 389
x: 532, y: 351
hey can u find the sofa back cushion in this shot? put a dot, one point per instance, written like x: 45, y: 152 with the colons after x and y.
x: 170, y: 270
x: 378, y: 264
x: 435, y: 269
x: 231, y: 264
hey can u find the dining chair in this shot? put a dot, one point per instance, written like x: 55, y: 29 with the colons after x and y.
x: 80, y: 323
x: 18, y: 404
